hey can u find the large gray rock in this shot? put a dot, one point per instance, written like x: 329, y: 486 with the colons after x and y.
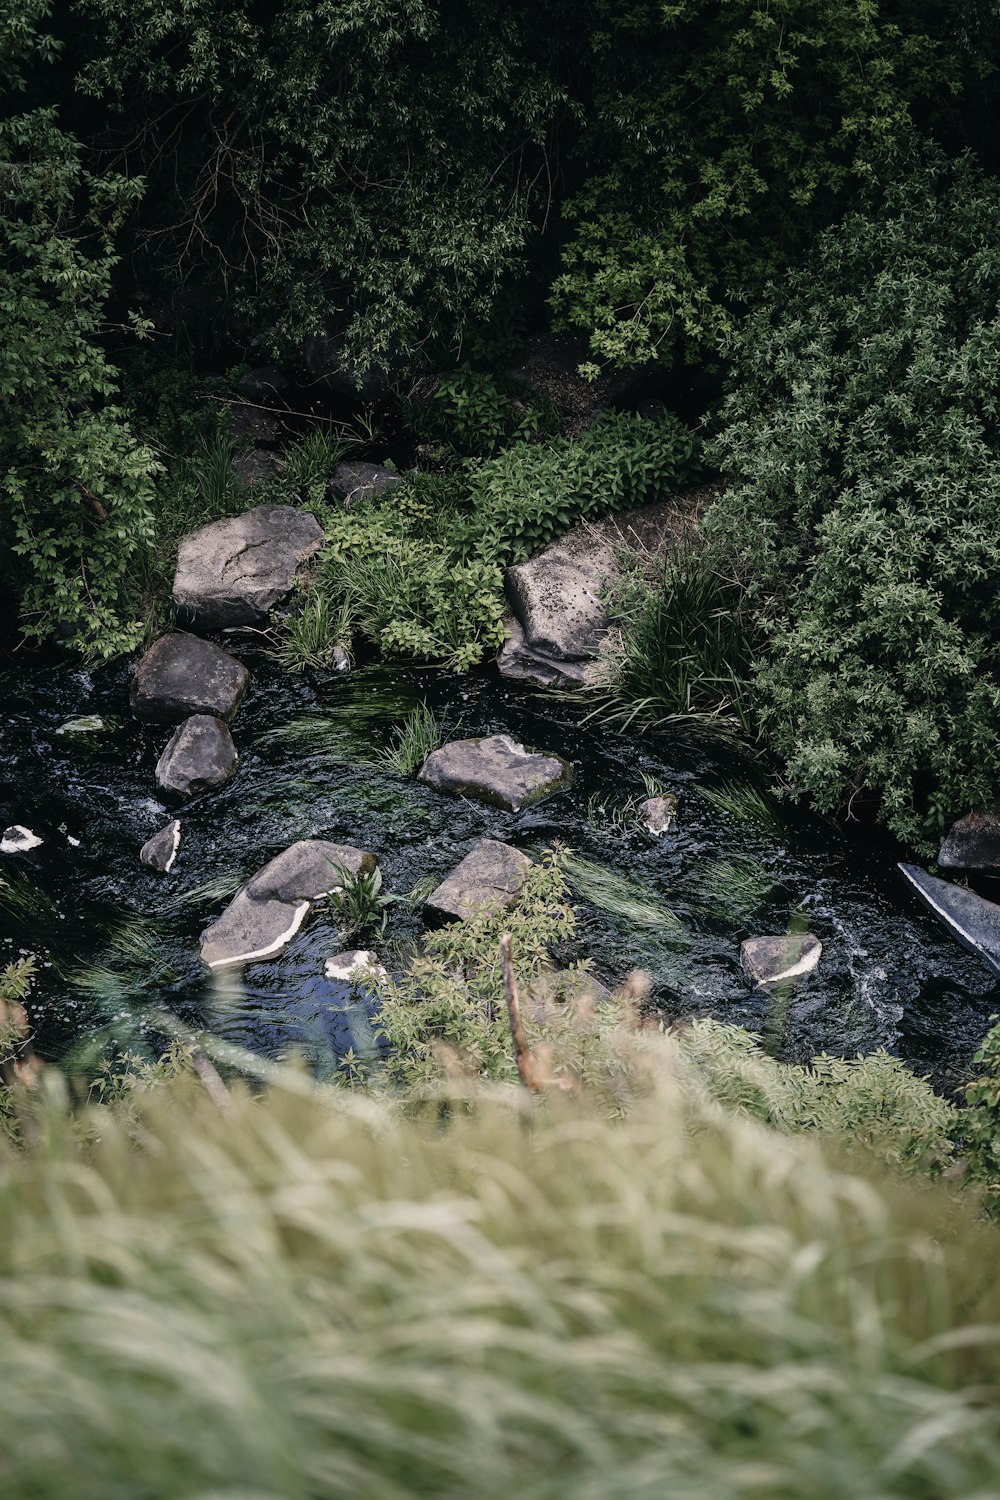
x: 557, y: 597
x: 519, y: 662
x: 234, y: 571
x: 199, y: 756
x: 496, y: 770
x: 357, y: 481
x: 490, y: 875
x: 160, y: 852
x: 770, y: 960
x: 182, y: 675
x: 970, y: 918
x: 265, y: 915
x: 973, y: 843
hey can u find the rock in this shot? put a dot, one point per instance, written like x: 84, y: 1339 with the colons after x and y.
x: 973, y: 843
x: 340, y: 659
x: 266, y: 384
x: 234, y: 571
x: 970, y: 918
x: 258, y: 467
x: 323, y: 356
x: 160, y: 852
x: 18, y: 840
x: 769, y: 960
x: 519, y: 662
x: 251, y: 425
x: 357, y: 964
x: 351, y: 482
x: 182, y: 675
x: 85, y: 724
x: 265, y: 915
x: 491, y: 874
x: 556, y: 597
x: 496, y: 770
x: 199, y: 756
x: 659, y: 813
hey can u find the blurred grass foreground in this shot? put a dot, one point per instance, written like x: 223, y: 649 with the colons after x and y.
x: 307, y: 1292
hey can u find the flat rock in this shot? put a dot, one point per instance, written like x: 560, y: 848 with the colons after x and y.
x: 358, y: 481
x: 268, y: 911
x: 522, y: 663
x: 768, y: 960
x: 356, y: 964
x: 199, y: 756
x: 17, y: 839
x: 973, y: 843
x: 497, y: 770
x: 85, y: 724
x: 490, y: 875
x: 160, y: 852
x: 182, y: 675
x: 556, y: 596
x: 234, y: 571
x: 970, y: 918
x: 307, y: 871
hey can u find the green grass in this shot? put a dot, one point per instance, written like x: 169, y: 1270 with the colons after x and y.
x: 317, y: 635
x: 307, y: 1294
x: 412, y: 741
x: 631, y: 901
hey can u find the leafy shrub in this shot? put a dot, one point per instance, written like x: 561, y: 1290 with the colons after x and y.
x: 423, y: 564
x: 470, y: 411
x: 862, y: 438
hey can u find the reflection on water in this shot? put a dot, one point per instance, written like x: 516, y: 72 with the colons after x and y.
x: 119, y: 941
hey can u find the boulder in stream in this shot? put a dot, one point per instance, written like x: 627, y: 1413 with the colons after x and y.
x: 522, y: 663
x: 182, y: 675
x: 160, y: 852
x: 17, y: 839
x: 234, y: 571
x: 659, y: 814
x: 556, y: 596
x: 490, y: 875
x: 973, y: 843
x: 265, y: 915
x: 497, y: 770
x: 769, y: 960
x: 355, y: 966
x: 199, y: 756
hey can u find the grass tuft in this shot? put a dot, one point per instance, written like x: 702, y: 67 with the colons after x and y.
x: 412, y: 741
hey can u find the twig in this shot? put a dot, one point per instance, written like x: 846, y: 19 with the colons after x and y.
x: 522, y: 1052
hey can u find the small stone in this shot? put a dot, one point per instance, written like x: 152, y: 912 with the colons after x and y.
x: 340, y: 659
x: 182, y: 675
x: 358, y: 481
x: 234, y: 571
x: 199, y: 756
x: 497, y: 770
x: 18, y: 840
x: 85, y: 724
x: 160, y: 852
x: 659, y: 813
x: 355, y: 965
x: 490, y: 875
x: 769, y: 960
x: 973, y: 843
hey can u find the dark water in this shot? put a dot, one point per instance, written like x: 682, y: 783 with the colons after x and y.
x: 117, y: 942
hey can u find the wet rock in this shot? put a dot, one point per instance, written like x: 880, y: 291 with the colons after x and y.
x: 490, y: 875
x: 199, y: 756
x: 556, y: 596
x: 358, y: 481
x: 354, y: 966
x: 85, y: 724
x: 182, y: 675
x: 250, y: 424
x: 265, y: 915
x: 18, y: 840
x: 768, y: 960
x: 257, y: 468
x: 658, y: 813
x: 521, y: 663
x: 160, y: 852
x: 497, y: 770
x: 973, y: 843
x: 234, y: 571
x: 266, y: 385
x: 324, y: 358
x: 970, y: 918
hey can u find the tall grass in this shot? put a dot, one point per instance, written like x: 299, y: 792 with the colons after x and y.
x: 308, y: 1295
x: 412, y: 741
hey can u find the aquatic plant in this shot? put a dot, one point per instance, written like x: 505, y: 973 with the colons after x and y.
x: 731, y: 889
x: 357, y: 899
x: 745, y: 804
x: 311, y: 461
x: 315, y: 634
x: 411, y: 742
x: 632, y: 901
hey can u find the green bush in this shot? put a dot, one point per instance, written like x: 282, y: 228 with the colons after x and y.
x: 423, y: 563
x: 862, y: 437
x: 471, y: 413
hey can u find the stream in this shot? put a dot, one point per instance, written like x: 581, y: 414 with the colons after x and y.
x: 117, y: 943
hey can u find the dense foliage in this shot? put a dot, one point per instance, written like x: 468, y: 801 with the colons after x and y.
x: 863, y: 438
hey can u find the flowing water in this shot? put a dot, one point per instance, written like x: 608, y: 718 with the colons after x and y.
x: 118, y: 944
